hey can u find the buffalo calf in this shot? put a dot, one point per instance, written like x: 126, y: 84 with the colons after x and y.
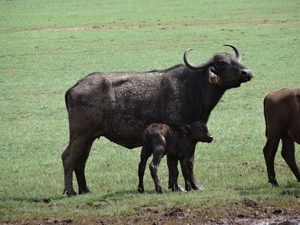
x: 178, y: 143
x: 282, y: 115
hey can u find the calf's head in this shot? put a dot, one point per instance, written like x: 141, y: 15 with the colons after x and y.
x: 223, y: 69
x: 198, y: 131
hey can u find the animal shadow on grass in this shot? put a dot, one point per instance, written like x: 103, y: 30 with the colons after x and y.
x: 124, y: 194
x: 30, y: 200
x: 290, y: 189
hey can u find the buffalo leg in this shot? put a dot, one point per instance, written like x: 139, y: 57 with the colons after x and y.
x: 157, y: 155
x: 145, y: 154
x: 70, y: 158
x: 80, y: 168
x: 173, y: 174
x: 68, y: 172
x: 186, y: 173
x: 288, y: 153
x: 269, y: 151
x: 194, y: 184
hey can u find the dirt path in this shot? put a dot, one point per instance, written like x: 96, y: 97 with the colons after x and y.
x: 258, y: 23
x: 246, y: 212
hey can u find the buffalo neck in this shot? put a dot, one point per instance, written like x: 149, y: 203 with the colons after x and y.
x: 205, y: 96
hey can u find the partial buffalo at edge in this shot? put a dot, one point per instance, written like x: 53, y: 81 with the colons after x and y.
x: 282, y: 116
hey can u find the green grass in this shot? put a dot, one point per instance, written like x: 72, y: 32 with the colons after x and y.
x: 46, y: 46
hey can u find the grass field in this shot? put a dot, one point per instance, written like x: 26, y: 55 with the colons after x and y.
x: 46, y: 46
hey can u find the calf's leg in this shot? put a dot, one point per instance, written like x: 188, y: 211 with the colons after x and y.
x: 173, y: 174
x: 288, y: 153
x: 145, y: 154
x: 190, y: 167
x: 157, y: 155
x: 186, y: 173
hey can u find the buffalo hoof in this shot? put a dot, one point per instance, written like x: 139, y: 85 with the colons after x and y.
x: 140, y: 190
x: 159, y: 190
x: 181, y: 189
x: 275, y: 184
x: 69, y: 193
x: 197, y: 187
x: 177, y: 187
x: 84, y: 192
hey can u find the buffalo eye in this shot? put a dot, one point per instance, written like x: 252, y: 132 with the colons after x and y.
x: 221, y: 64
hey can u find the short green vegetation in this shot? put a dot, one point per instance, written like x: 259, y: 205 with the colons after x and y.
x: 46, y: 46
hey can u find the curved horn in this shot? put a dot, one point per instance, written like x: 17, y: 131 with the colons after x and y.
x: 192, y: 66
x: 237, y: 52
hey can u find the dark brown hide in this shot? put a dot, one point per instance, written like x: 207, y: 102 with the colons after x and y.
x: 120, y: 105
x: 282, y: 115
x: 178, y: 143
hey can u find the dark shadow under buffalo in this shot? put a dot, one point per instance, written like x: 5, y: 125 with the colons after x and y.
x: 120, y: 105
x: 282, y: 116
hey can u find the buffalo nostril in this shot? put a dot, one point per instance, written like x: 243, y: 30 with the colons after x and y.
x: 246, y: 72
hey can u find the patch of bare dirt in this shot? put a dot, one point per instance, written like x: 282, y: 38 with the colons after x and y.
x: 245, y: 212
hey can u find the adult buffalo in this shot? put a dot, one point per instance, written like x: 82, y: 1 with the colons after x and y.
x: 120, y: 105
x: 282, y: 115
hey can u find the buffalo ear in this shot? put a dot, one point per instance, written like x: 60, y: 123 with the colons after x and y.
x: 212, y: 77
x: 185, y: 129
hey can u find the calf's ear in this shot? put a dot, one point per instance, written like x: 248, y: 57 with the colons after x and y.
x: 185, y: 129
